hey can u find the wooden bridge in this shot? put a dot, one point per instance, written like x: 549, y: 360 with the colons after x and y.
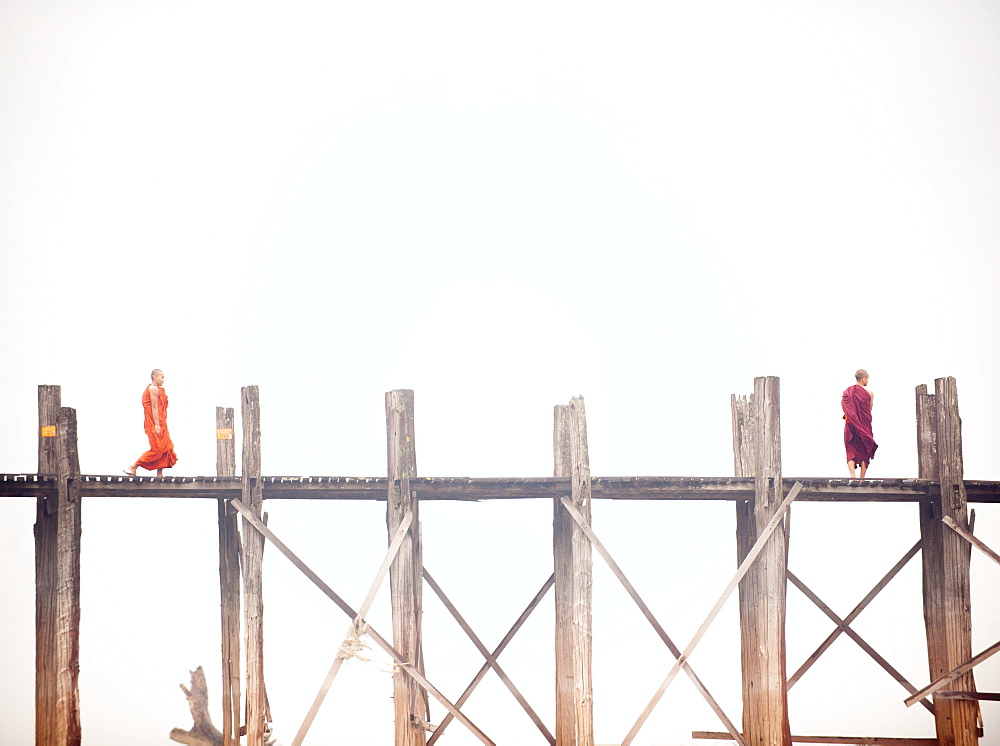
x: 757, y: 490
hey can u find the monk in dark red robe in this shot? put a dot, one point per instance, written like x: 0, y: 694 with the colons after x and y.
x: 857, y: 405
x: 161, y: 454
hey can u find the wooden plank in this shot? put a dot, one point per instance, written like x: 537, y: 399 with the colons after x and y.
x: 439, y: 731
x: 647, y: 612
x: 46, y: 547
x: 229, y: 581
x: 844, y: 627
x: 862, y: 605
x: 946, y: 557
x: 845, y: 740
x: 398, y: 657
x: 491, y: 660
x: 953, y: 674
x: 743, y: 568
x: 972, y: 539
x: 390, y: 555
x: 253, y: 553
x: 404, y: 574
x: 972, y: 696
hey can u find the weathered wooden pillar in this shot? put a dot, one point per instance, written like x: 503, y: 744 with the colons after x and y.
x: 253, y: 553
x: 57, y: 577
x: 757, y: 453
x: 229, y: 581
x: 947, y: 614
x: 573, y: 581
x: 406, y: 571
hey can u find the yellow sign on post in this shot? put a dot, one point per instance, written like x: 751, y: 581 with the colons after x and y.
x: 224, y: 433
x: 48, y: 431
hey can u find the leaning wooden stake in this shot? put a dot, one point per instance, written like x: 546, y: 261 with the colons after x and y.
x: 573, y: 581
x: 229, y: 581
x: 947, y: 613
x: 253, y: 552
x: 405, y: 574
x: 57, y: 564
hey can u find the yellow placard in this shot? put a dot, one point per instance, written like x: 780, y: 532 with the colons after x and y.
x: 48, y: 431
x: 224, y: 433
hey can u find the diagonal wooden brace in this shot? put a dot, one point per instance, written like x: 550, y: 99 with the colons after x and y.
x: 748, y: 561
x: 646, y: 612
x: 346, y: 608
x: 953, y: 674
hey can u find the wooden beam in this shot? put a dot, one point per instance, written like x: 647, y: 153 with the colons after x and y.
x: 405, y: 572
x: 947, y: 601
x: 491, y: 660
x: 46, y: 548
x: 953, y: 674
x: 253, y: 553
x: 969, y: 537
x: 972, y: 696
x: 743, y: 568
x: 229, y: 581
x: 439, y: 731
x: 647, y: 612
x: 844, y: 627
x: 355, y: 628
x: 845, y: 740
x: 401, y: 662
x: 862, y: 605
x: 574, y: 581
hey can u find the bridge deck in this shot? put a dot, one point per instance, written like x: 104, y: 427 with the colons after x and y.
x: 491, y: 488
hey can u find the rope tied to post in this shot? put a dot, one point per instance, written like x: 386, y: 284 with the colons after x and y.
x: 353, y: 645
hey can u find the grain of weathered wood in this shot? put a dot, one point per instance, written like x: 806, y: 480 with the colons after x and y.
x: 252, y: 565
x: 573, y: 564
x: 439, y: 731
x: 405, y: 578
x: 973, y: 540
x: 953, y: 674
x: 46, y: 547
x: 947, y: 600
x: 972, y: 696
x: 843, y: 740
x: 398, y: 657
x: 229, y: 582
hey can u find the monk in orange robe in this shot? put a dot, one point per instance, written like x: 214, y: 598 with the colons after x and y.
x: 161, y: 454
x: 857, y: 404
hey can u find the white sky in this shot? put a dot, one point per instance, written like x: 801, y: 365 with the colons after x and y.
x: 499, y: 207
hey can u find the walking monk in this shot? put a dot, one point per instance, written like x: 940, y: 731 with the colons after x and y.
x: 161, y: 454
x: 857, y: 405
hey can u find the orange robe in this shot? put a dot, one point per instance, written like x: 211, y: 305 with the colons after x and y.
x: 161, y: 449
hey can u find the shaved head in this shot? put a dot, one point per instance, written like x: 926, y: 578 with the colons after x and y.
x: 155, y: 371
x: 861, y: 373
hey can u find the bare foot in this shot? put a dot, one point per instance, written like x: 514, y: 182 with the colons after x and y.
x: 130, y: 471
x: 159, y: 472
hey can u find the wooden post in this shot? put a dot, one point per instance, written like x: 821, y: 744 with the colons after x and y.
x: 229, y: 580
x: 744, y: 439
x: 406, y: 572
x: 253, y: 552
x: 947, y: 615
x: 573, y: 581
x: 57, y: 565
x: 762, y: 593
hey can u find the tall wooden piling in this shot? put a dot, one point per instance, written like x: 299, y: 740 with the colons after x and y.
x: 253, y: 553
x: 406, y: 571
x: 229, y: 581
x: 947, y: 613
x: 757, y: 453
x: 573, y: 563
x: 57, y: 577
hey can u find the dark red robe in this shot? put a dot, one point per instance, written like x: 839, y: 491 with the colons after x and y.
x: 161, y: 449
x: 858, y: 439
